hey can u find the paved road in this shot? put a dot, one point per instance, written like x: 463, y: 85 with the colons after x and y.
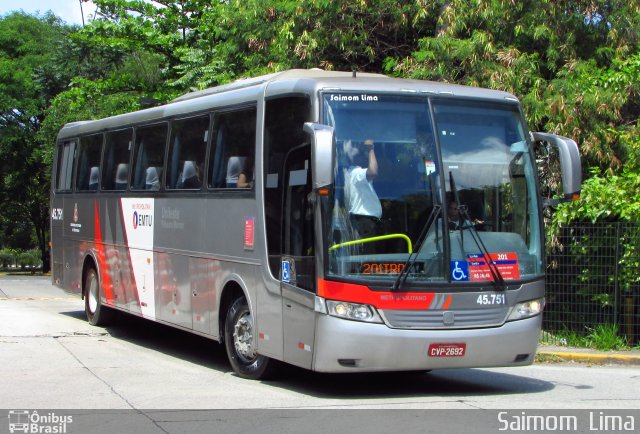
x: 51, y: 358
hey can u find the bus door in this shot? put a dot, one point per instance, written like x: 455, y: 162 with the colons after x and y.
x: 297, y: 260
x: 64, y: 213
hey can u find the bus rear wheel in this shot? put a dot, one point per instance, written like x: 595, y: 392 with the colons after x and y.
x: 97, y: 314
x: 239, y: 341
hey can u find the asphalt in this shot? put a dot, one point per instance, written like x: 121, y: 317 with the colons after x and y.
x: 585, y: 355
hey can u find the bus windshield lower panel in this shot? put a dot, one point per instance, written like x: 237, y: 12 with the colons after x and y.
x: 398, y: 158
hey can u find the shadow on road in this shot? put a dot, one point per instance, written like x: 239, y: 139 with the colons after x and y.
x: 446, y: 383
x: 165, y: 339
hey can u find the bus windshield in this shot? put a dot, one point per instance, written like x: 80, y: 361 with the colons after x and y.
x: 401, y: 160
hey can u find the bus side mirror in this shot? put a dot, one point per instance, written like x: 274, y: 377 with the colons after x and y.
x: 322, y: 139
x: 570, y: 165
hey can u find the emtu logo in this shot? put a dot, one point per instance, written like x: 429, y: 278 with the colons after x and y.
x: 142, y: 220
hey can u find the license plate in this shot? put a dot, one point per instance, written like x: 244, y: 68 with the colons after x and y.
x: 447, y: 350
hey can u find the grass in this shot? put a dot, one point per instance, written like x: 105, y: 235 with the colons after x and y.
x: 548, y: 358
x: 11, y: 272
x: 603, y: 337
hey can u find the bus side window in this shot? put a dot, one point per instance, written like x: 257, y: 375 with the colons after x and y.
x: 88, y: 171
x: 122, y: 173
x: 235, y: 166
x: 233, y: 149
x: 188, y: 146
x: 152, y: 179
x: 149, y: 152
x: 115, y: 164
x: 66, y: 159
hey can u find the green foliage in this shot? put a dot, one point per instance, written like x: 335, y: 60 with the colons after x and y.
x: 603, y: 337
x: 604, y: 198
x: 29, y: 258
x: 576, y: 71
x: 85, y: 100
x: 8, y: 256
x: 27, y: 45
x: 248, y: 38
x: 564, y: 337
x: 576, y: 68
x: 20, y: 258
x: 575, y: 65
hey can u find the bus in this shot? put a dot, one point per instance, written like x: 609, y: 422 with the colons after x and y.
x: 335, y: 221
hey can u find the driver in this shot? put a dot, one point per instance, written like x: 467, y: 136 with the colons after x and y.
x: 361, y: 199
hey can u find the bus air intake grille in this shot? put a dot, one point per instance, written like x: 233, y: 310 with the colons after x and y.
x: 446, y: 319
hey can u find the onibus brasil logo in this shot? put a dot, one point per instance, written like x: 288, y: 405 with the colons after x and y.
x: 32, y: 422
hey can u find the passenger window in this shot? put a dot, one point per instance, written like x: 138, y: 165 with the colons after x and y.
x: 188, y: 146
x: 233, y: 150
x: 115, y: 165
x: 148, y: 157
x: 66, y: 159
x: 88, y: 173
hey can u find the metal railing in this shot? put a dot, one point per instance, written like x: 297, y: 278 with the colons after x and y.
x: 593, y: 279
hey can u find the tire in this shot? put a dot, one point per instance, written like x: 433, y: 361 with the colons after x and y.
x: 239, y: 342
x: 97, y: 314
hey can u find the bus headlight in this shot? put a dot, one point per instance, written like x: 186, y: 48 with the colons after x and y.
x: 352, y: 311
x: 526, y: 309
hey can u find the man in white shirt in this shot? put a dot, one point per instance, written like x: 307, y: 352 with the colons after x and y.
x: 360, y: 198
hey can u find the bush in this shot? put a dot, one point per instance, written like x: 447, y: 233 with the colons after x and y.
x: 29, y: 258
x: 20, y: 258
x: 8, y: 257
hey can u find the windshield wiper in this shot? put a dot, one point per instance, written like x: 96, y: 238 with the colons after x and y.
x: 413, y: 256
x: 466, y: 223
x: 493, y: 268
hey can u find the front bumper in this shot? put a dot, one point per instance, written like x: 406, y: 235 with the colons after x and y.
x: 351, y: 346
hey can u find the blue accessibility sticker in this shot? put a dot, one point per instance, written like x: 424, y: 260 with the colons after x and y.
x: 286, y: 271
x: 459, y: 271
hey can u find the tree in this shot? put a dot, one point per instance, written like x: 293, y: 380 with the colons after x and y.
x: 562, y: 67
x: 209, y: 43
x: 577, y: 71
x: 27, y: 46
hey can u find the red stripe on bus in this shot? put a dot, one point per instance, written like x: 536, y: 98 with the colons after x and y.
x: 134, y: 289
x: 102, y: 255
x: 380, y: 299
x: 447, y: 303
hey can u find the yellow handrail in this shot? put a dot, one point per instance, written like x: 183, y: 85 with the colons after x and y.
x: 374, y: 239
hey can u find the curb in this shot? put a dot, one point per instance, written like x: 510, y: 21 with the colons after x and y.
x: 595, y: 358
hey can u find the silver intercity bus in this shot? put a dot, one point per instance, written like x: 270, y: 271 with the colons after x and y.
x: 336, y: 221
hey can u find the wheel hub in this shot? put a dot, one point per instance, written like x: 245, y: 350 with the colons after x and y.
x: 243, y: 338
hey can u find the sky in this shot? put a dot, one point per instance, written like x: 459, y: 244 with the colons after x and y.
x: 68, y: 10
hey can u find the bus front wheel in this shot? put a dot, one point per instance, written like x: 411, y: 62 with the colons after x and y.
x: 97, y: 314
x: 239, y: 341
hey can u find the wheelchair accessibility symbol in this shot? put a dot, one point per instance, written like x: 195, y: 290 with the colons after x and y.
x: 286, y: 271
x: 459, y: 271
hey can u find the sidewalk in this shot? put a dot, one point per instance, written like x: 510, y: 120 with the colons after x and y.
x: 586, y: 355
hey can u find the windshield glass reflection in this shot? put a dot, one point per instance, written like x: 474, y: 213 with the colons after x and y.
x: 389, y: 178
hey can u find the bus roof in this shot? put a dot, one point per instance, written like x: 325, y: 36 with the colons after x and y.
x: 294, y: 81
x: 284, y: 75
